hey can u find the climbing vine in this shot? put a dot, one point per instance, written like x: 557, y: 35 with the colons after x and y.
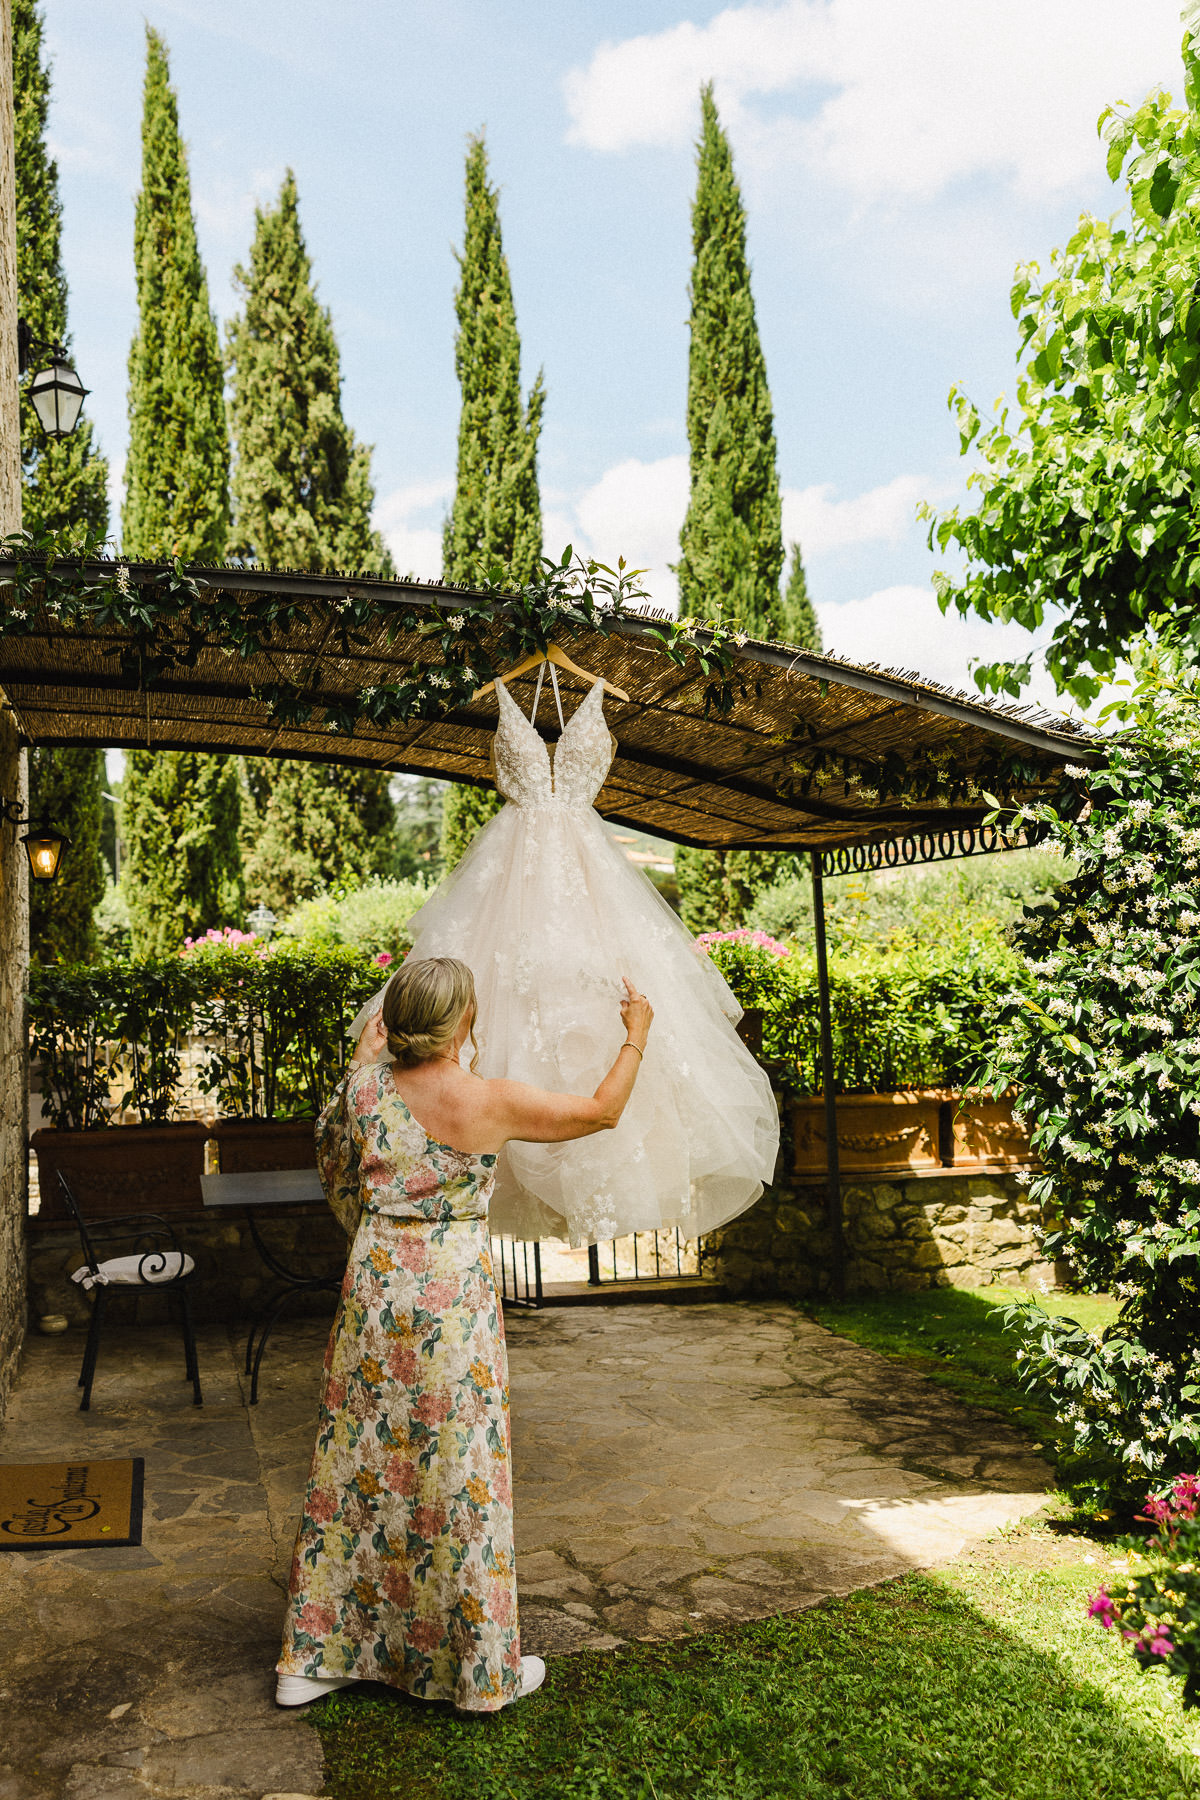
x: 168, y: 613
x: 162, y: 616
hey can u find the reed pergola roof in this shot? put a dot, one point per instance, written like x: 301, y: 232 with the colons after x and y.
x: 720, y: 781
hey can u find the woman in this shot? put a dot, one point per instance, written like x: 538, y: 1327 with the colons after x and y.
x: 404, y: 1570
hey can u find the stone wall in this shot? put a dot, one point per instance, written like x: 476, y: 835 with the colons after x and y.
x: 902, y: 1233
x: 14, y: 893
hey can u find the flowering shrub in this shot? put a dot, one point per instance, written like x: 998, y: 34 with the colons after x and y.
x: 1105, y: 1054
x: 229, y: 936
x: 905, y: 1013
x: 1158, y: 1612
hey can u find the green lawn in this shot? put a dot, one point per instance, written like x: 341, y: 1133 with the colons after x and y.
x: 985, y: 1684
x: 955, y: 1338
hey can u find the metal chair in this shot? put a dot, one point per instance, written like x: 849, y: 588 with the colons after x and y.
x: 153, y: 1267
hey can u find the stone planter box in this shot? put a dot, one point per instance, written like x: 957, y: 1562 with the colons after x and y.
x: 878, y: 1134
x: 910, y: 1133
x: 122, y: 1169
x: 985, y: 1136
x: 247, y: 1145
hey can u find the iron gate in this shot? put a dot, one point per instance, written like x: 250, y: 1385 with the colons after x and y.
x: 518, y: 1263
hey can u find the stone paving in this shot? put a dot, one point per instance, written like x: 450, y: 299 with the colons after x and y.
x: 675, y: 1467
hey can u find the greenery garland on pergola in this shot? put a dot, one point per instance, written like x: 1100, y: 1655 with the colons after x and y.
x: 734, y: 743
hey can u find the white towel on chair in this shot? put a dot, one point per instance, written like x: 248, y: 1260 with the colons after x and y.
x: 136, y: 1271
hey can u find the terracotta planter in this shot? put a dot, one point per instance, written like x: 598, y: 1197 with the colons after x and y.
x: 986, y: 1136
x: 247, y: 1145
x: 878, y: 1134
x: 122, y: 1169
x: 750, y: 1029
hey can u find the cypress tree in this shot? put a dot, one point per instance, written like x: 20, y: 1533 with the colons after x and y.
x: 302, y: 499
x: 731, y: 544
x: 497, y: 511
x: 182, y: 871
x: 302, y: 485
x: 177, y: 472
x: 64, y: 483
x: 796, y: 620
x: 66, y: 787
x: 181, y: 810
x: 311, y: 826
x: 64, y: 480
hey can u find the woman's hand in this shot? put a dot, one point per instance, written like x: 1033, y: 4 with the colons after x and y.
x: 637, y: 1015
x: 373, y: 1042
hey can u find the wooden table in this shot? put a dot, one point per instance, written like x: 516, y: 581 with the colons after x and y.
x: 255, y: 1193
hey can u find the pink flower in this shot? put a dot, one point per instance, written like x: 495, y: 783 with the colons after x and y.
x: 422, y: 1183
x: 322, y: 1504
x: 1160, y: 1644
x: 1102, y: 1609
x: 438, y: 1295
x: 412, y: 1254
x: 397, y: 1585
x: 402, y: 1364
x: 429, y: 1521
x: 425, y: 1634
x: 500, y: 1606
x: 383, y: 959
x: 433, y: 1406
x: 757, y: 939
x: 400, y: 1476
x: 315, y: 1619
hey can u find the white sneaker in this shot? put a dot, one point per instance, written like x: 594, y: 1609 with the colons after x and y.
x: 533, y: 1673
x: 298, y: 1690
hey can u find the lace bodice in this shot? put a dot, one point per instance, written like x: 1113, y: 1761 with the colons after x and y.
x: 525, y: 773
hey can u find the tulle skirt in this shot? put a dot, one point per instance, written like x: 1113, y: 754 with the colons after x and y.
x: 549, y: 915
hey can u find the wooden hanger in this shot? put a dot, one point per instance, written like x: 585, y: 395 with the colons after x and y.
x: 554, y: 655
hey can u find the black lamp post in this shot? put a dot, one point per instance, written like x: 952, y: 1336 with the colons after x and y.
x: 56, y: 390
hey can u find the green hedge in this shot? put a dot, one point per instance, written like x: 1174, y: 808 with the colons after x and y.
x: 905, y: 1013
x: 272, y: 1019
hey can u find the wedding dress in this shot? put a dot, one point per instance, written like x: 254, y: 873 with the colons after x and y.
x: 548, y: 914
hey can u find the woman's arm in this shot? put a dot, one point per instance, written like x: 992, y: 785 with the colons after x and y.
x: 536, y: 1116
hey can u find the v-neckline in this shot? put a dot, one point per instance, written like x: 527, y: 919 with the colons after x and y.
x: 551, y: 750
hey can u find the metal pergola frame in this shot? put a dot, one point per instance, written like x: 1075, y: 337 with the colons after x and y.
x: 722, y: 782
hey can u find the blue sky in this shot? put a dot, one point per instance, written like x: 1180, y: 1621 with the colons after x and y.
x: 898, y: 158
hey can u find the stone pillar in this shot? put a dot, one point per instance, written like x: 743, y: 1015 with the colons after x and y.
x: 14, y: 890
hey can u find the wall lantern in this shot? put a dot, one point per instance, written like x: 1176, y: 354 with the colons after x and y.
x: 56, y: 390
x: 44, y: 846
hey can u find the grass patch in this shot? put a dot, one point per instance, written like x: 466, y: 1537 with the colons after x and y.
x: 956, y: 1339
x: 985, y: 1684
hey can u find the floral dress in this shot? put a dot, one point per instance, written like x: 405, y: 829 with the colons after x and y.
x: 404, y: 1570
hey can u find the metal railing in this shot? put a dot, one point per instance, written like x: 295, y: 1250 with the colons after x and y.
x: 662, y: 1259
x: 518, y: 1267
x: 642, y: 1256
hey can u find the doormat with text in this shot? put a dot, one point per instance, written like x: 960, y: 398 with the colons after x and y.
x: 71, y: 1505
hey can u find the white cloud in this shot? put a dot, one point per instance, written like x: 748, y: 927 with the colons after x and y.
x: 820, y: 523
x: 635, y: 511
x: 888, y: 100
x: 904, y: 628
x: 410, y: 520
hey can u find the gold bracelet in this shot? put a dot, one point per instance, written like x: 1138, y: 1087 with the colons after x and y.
x: 630, y: 1045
